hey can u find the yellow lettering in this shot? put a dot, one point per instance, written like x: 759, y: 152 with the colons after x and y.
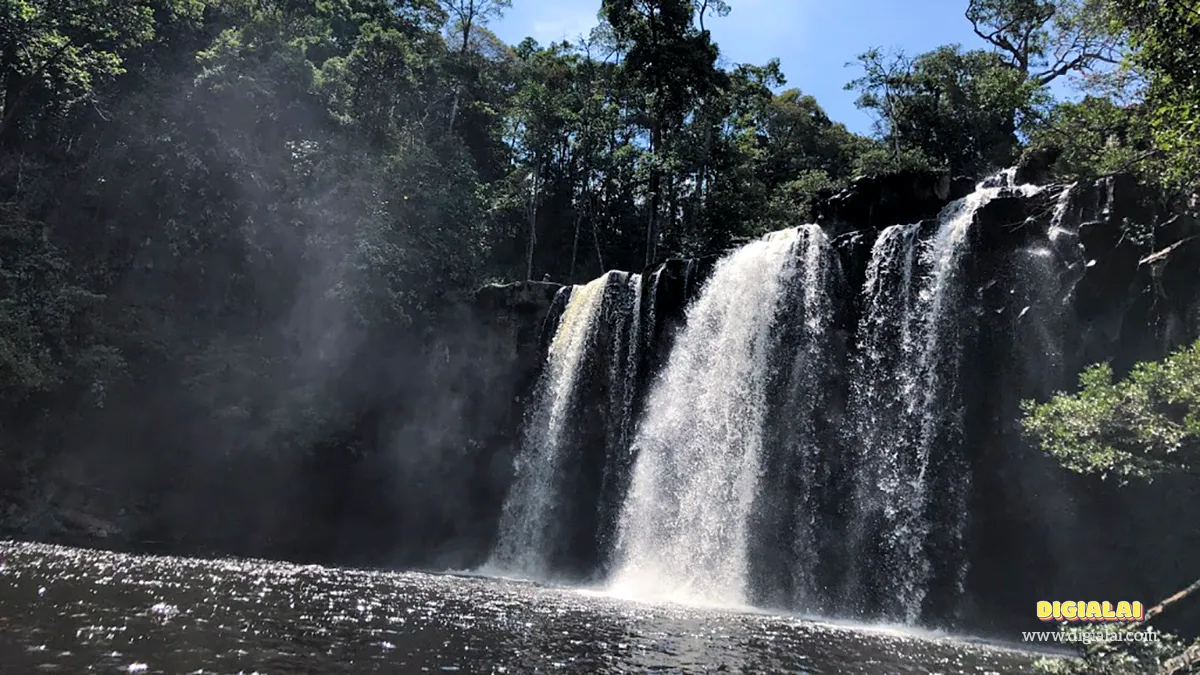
x: 1045, y: 610
x: 1090, y: 610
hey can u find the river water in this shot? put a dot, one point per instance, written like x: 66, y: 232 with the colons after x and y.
x: 74, y: 611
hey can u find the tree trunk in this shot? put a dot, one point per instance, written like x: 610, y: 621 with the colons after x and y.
x: 462, y: 57
x: 1155, y: 611
x: 575, y: 241
x: 1162, y: 606
x: 701, y: 180
x: 454, y: 108
x: 1182, y: 663
x: 533, y: 208
x: 596, y: 243
x: 652, y: 220
x: 16, y: 86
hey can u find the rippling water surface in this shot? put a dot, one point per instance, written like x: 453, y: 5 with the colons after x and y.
x: 75, y: 611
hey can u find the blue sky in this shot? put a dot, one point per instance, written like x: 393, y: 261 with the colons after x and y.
x: 812, y: 38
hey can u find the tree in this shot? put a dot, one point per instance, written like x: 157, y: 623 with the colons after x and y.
x: 713, y: 7
x: 56, y: 53
x: 1163, y: 35
x: 1043, y: 40
x: 961, y: 109
x: 1144, y: 425
x: 671, y: 64
x: 1096, y: 136
x: 543, y: 124
x: 465, y: 17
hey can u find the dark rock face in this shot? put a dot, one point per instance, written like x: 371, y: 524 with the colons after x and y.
x: 1037, y: 525
x: 517, y: 322
x: 1035, y: 168
x: 1057, y: 281
x: 874, y: 202
x: 428, y: 492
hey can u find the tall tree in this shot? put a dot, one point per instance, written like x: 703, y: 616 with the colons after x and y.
x: 672, y: 64
x: 466, y: 16
x: 1044, y: 40
x: 54, y: 54
x: 1163, y: 34
x: 1144, y: 425
x: 959, y: 108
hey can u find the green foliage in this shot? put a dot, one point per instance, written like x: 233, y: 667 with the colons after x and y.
x: 1042, y: 41
x: 228, y: 210
x: 961, y: 109
x: 41, y: 316
x: 1142, y: 116
x: 1164, y: 34
x: 1143, y: 425
x: 1097, y: 137
x: 57, y: 54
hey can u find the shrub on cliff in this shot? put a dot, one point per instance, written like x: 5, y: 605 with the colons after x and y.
x: 1144, y: 425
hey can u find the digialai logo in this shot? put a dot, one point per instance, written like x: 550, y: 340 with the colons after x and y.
x: 1095, y: 611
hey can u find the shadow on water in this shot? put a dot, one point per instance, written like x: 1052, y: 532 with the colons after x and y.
x: 73, y: 610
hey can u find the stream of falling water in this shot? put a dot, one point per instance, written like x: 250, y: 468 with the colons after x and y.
x: 683, y: 532
x: 910, y: 503
x: 526, y: 521
x: 801, y: 451
x: 623, y: 305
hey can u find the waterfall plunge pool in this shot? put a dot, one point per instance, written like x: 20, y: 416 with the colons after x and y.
x: 74, y: 610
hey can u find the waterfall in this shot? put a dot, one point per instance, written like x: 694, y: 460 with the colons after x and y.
x: 527, y: 522
x: 885, y: 348
x: 769, y: 462
x: 910, y: 480
x: 1045, y: 277
x: 626, y: 355
x: 684, y: 526
x: 806, y: 405
x: 622, y: 305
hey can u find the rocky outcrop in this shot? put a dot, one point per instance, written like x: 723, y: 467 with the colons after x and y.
x: 513, y: 315
x: 874, y: 202
x: 1037, y: 166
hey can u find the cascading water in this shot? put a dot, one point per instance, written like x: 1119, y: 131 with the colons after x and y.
x: 625, y: 357
x: 527, y: 521
x: 684, y: 527
x: 806, y: 406
x: 623, y: 308
x: 909, y: 512
x: 1046, y: 274
x: 767, y: 463
x: 885, y: 346
x: 795, y: 495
